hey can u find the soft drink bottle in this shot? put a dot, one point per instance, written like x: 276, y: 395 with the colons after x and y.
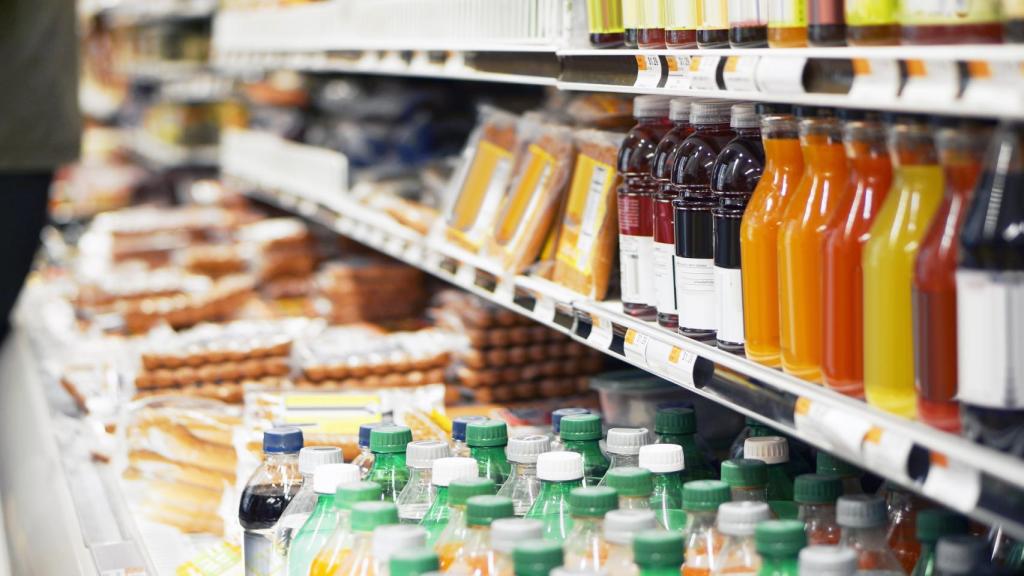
x: 416, y: 562
x: 487, y: 441
x: 444, y: 472
x: 901, y: 507
x: 863, y: 519
x: 522, y: 486
x: 747, y: 479
x: 623, y: 446
x: 559, y: 473
x: 415, y: 499
x: 328, y: 560
x: 581, y: 433
x: 585, y: 546
x: 774, y: 452
x: 303, y: 503
x: 323, y: 521
x: 365, y: 457
x: 961, y: 555
x: 537, y: 557
x: 459, y: 425
x: 620, y: 527
x: 816, y: 497
x: 391, y: 539
x: 665, y: 461
x: 478, y: 556
x: 737, y: 522
x: 454, y: 536
x: 932, y: 524
x: 679, y: 426
x: 754, y: 429
x: 701, y: 500
x: 658, y: 553
x: 779, y: 542
x: 389, y: 470
x: 847, y: 473
x: 366, y: 517
x: 506, y: 534
x: 266, y: 495
x: 633, y: 485
x: 831, y: 560
x: 556, y: 425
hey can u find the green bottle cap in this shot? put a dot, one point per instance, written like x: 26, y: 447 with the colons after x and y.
x: 780, y: 537
x: 461, y: 490
x: 630, y: 481
x: 368, y: 515
x: 482, y: 510
x: 658, y: 549
x: 594, y: 501
x: 537, y: 557
x: 675, y: 421
x: 744, y: 472
x: 934, y: 523
x: 487, y: 433
x: 829, y: 464
x: 705, y: 495
x: 817, y: 489
x: 581, y: 427
x: 390, y: 439
x: 414, y: 562
x: 352, y: 493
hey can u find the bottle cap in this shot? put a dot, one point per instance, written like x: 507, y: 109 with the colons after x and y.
x: 658, y: 549
x: 422, y: 453
x: 675, y: 421
x: 593, y: 501
x: 960, y: 554
x: 740, y: 518
x: 387, y: 540
x: 829, y: 464
x: 934, y: 523
x: 679, y: 110
x: 710, y: 112
x: 459, y: 426
x: 662, y: 458
x: 414, y: 562
x: 461, y: 490
x: 446, y: 470
x: 482, y: 510
x: 651, y: 106
x: 621, y: 525
x: 507, y: 532
x: 772, y: 109
x: 351, y: 493
x: 390, y: 439
x: 630, y: 481
x: 537, y: 557
x: 282, y: 440
x: 767, y: 449
x: 744, y: 472
x: 581, y: 427
x: 366, y: 516
x: 705, y: 495
x: 828, y: 561
x: 626, y: 441
x: 817, y: 489
x: 526, y: 449
x: 487, y: 433
x: 364, y: 433
x: 312, y: 457
x: 861, y: 511
x: 744, y: 116
x: 557, y: 415
x: 559, y: 466
x: 780, y: 537
x: 328, y: 477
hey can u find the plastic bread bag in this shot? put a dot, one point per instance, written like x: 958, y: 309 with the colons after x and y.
x: 589, y: 232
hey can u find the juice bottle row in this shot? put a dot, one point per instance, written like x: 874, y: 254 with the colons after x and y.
x: 880, y: 255
x: 655, y: 24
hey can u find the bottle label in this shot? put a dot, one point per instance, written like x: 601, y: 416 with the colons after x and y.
x: 636, y: 262
x: 787, y: 13
x: 653, y: 14
x: 631, y: 14
x: 926, y: 12
x: 695, y: 292
x: 729, y: 298
x: 870, y: 12
x: 990, y: 334
x: 665, y: 277
x: 604, y: 16
x: 714, y: 15
x: 683, y: 15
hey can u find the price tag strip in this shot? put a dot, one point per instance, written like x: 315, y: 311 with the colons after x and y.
x: 888, y: 453
x: 466, y: 274
x: 952, y: 483
x: 840, y: 429
x: 704, y: 72
x: 740, y: 73
x: 781, y: 74
x: 931, y: 81
x: 995, y: 84
x: 648, y: 71
x: 601, y: 334
x: 635, y: 347
x: 678, y: 73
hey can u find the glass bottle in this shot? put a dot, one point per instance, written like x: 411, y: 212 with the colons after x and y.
x: 714, y: 24
x: 658, y: 553
x: 620, y: 527
x: 827, y: 26
x: 863, y: 520
x: 604, y: 23
x: 559, y: 473
x: 831, y: 560
x: 556, y: 425
x: 872, y: 22
x: 701, y: 499
x: 522, y: 485
x: 816, y: 496
x: 337, y: 548
x: 682, y: 18
x: 774, y: 452
x: 747, y: 479
x: 632, y: 20
x: 967, y: 22
x: 323, y: 521
x: 652, y: 28
x: 506, y: 534
x: 665, y: 462
x: 888, y: 262
x: 304, y: 501
x: 737, y: 522
x: 848, y: 474
x: 932, y: 524
x: 365, y: 457
x: 415, y: 499
x: 787, y: 24
x: 961, y: 555
x: 459, y: 425
x: 387, y: 541
x: 901, y: 508
x: 581, y: 433
x: 867, y: 154
x: 414, y: 562
x: 1013, y: 14
x: 537, y: 557
x: 779, y: 542
x: 636, y: 205
x: 961, y: 152
x: 633, y: 485
x: 623, y: 446
x: 389, y: 470
x: 487, y: 441
x: 443, y: 473
x: 678, y: 425
x: 585, y: 546
x: 366, y: 517
x: 453, y: 538
x: 748, y: 23
x: 478, y: 556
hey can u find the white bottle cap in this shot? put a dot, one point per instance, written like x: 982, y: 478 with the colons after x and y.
x: 861, y: 511
x: 679, y: 110
x: 525, y: 449
x: 621, y: 525
x: 662, y: 458
x: 740, y: 518
x: 507, y: 533
x: 626, y: 441
x: 451, y: 468
x: 559, y: 466
x: 328, y: 477
x: 394, y: 537
x: 828, y: 561
x: 744, y: 116
x: 768, y: 449
x: 651, y: 106
x: 312, y: 456
x: 422, y: 453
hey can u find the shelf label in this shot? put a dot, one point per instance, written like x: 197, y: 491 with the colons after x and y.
x: 953, y: 483
x: 704, y: 72
x: 781, y: 74
x: 466, y: 275
x: 741, y: 73
x: 839, y: 428
x: 414, y: 252
x: 635, y: 347
x: 678, y: 73
x: 600, y: 334
x: 680, y: 365
x: 995, y: 84
x: 395, y: 246
x: 887, y: 453
x: 505, y: 290
x: 931, y: 81
x: 544, y: 309
x: 875, y: 79
x: 648, y: 71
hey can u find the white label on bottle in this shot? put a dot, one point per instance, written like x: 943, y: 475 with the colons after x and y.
x: 258, y: 552
x: 648, y: 71
x: 665, y: 277
x: 695, y: 292
x: 729, y: 289
x: 631, y: 14
x: 990, y: 336
x: 682, y: 15
x: 636, y: 262
x: 787, y: 13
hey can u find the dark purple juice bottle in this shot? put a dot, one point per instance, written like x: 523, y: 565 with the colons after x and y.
x: 267, y: 494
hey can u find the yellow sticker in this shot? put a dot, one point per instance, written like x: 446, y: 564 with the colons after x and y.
x: 803, y: 406
x: 874, y: 435
x: 979, y: 69
x: 674, y: 354
x: 695, y: 64
x: 861, y: 66
x: 630, y: 336
x: 916, y: 68
x: 732, y: 63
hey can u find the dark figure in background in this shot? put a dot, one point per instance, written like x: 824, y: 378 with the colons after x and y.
x: 39, y: 127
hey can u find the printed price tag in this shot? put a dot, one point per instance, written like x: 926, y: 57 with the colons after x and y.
x: 887, y: 452
x: 995, y: 84
x: 636, y: 347
x: 601, y: 334
x: 704, y: 72
x: 740, y: 73
x: 466, y: 275
x: 838, y: 428
x: 680, y: 365
x: 807, y: 416
x: 544, y: 309
x: 781, y: 74
x: 330, y: 413
x: 678, y: 73
x: 505, y: 290
x: 648, y: 71
x: 931, y: 81
x: 955, y: 484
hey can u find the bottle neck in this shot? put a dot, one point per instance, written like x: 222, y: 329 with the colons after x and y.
x: 582, y: 446
x: 869, y: 538
x: 324, y: 504
x: 421, y: 475
x: 817, y: 512
x: 487, y: 452
x: 281, y: 459
x: 388, y: 460
x: 668, y: 479
x: 779, y: 565
x: 649, y: 120
x: 700, y: 520
x: 623, y: 460
x: 551, y: 488
x: 711, y: 127
x: 524, y: 469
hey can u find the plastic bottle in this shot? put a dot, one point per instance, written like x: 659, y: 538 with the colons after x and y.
x: 506, y: 534
x: 961, y: 151
x: 366, y: 518
x: 556, y: 425
x: 872, y: 22
x: 801, y: 240
x: 759, y: 231
x: 652, y: 28
x: 968, y: 22
x: 827, y: 26
x: 665, y: 461
x: 266, y: 495
x: 632, y: 20
x: 416, y: 562
x: 388, y: 446
x: 537, y: 557
x: 633, y: 485
x: 604, y: 23
x: 337, y: 548
x: 701, y: 499
x: 693, y: 218
x: 365, y: 457
x: 748, y: 23
x: 454, y: 536
x: 787, y: 24
x: 774, y: 452
x: 418, y: 494
x: 863, y: 520
x: 303, y: 503
x: 658, y: 553
x: 323, y: 521
x: 816, y: 496
x: 933, y: 524
x: 961, y: 556
x: 737, y: 522
x: 753, y: 429
x: 459, y: 425
x: 734, y: 177
x: 620, y: 527
x: 487, y: 441
x: 779, y: 542
x: 623, y: 446
x: 390, y: 540
x: 636, y: 205
x: 678, y: 425
x: 559, y: 473
x: 443, y: 473
x: 867, y: 154
x: 747, y: 479
x: 585, y: 546
x: 901, y: 509
x: 682, y: 18
x: 581, y: 433
x: 1007, y: 552
x: 848, y: 474
x: 827, y: 561
x: 714, y: 24
x: 522, y: 485
x: 478, y: 556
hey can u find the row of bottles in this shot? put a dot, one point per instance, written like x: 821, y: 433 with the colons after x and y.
x: 655, y: 24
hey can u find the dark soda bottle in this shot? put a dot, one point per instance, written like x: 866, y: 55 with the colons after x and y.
x: 714, y: 25
x: 682, y: 18
x: 968, y: 22
x: 652, y: 28
x: 827, y: 23
x: 267, y: 494
x: 748, y: 23
x: 604, y: 22
x: 632, y: 18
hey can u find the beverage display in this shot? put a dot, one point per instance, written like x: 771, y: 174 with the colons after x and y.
x: 933, y: 524
x: 389, y: 540
x: 620, y: 528
x: 360, y: 557
x: 537, y: 557
x: 961, y: 556
x: 487, y: 441
x: 787, y: 24
x: 888, y: 262
x: 848, y: 474
x: 585, y: 546
x: 337, y: 548
x: 652, y: 28
x: 559, y: 473
x: 827, y: 26
x: 304, y: 501
x: 679, y: 426
x: 658, y: 553
x: 522, y: 485
x: 872, y: 22
x: 863, y: 520
x: 902, y: 507
x: 632, y: 20
x: 831, y: 560
x: 714, y: 24
x: 701, y: 500
x: 413, y: 562
x: 506, y: 534
x: 816, y: 495
x: 779, y: 543
x: 444, y: 472
x: 456, y: 533
x: 323, y: 521
x: 477, y: 557
x: 556, y: 425
x: 604, y: 23
x: 623, y: 447
x: 266, y: 495
x: 748, y: 23
x: 747, y: 479
x: 633, y: 485
x: 459, y: 425
x: 682, y: 18
x: 967, y: 22
x: 665, y: 462
x: 754, y: 428
x: 774, y: 452
x: 581, y: 433
x: 415, y: 499
x: 389, y: 469
x: 737, y: 521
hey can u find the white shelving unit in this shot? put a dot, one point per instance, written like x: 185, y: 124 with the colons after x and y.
x: 162, y: 155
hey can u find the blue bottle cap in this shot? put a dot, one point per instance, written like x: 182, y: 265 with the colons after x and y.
x: 282, y: 440
x: 459, y: 426
x: 364, y: 433
x: 556, y: 417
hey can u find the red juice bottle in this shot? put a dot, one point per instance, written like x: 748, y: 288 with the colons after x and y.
x: 664, y: 221
x: 636, y: 205
x: 682, y: 18
x: 652, y: 30
x: 961, y: 152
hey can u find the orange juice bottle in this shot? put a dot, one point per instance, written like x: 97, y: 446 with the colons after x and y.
x: 888, y: 260
x: 759, y: 231
x: 801, y: 238
x: 842, y: 359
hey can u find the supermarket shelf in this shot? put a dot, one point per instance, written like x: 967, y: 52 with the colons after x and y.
x: 961, y: 53
x: 162, y: 155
